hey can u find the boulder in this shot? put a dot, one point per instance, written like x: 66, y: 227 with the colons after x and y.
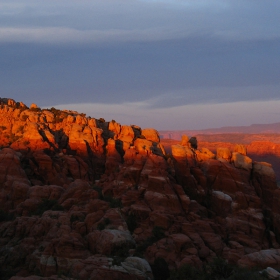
x: 222, y: 176
x: 223, y: 154
x: 151, y: 134
x: 241, y: 161
x: 241, y: 149
x: 204, y: 154
x: 272, y: 273
x: 137, y: 266
x: 126, y: 134
x: 115, y: 128
x: 49, y: 116
x: 143, y: 146
x: 261, y: 259
x: 111, y: 240
x: 264, y: 168
x: 184, y: 153
x: 185, y: 141
x: 221, y: 203
x: 33, y: 106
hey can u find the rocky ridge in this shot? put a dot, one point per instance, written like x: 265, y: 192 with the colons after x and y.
x: 262, y: 151
x: 89, y: 199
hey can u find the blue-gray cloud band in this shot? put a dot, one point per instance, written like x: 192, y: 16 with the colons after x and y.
x: 167, y: 53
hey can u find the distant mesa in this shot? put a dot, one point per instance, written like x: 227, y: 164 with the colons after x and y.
x: 214, y: 132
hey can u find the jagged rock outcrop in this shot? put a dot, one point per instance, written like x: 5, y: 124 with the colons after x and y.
x: 87, y: 199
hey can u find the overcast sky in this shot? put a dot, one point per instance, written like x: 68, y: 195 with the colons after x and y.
x: 168, y: 64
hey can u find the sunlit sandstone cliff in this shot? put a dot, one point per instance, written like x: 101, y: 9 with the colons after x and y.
x: 90, y: 199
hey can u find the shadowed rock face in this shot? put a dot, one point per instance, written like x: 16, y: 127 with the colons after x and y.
x: 86, y: 199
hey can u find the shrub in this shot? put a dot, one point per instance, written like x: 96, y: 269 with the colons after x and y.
x: 99, y: 190
x: 168, y: 156
x: 103, y: 224
x: 114, y: 202
x: 38, y: 109
x: 41, y: 248
x: 75, y: 218
x: 187, y: 271
x: 20, y: 129
x: 107, y: 221
x: 6, y: 216
x: 100, y: 226
x: 219, y: 268
x: 131, y: 223
x: 58, y: 115
x: 24, y: 117
x: 54, y: 111
x: 57, y: 119
x: 157, y: 234
x: 120, y: 253
x: 47, y: 204
x: 160, y: 269
x: 12, y: 137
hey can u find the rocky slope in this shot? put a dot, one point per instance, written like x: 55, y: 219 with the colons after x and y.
x: 87, y: 199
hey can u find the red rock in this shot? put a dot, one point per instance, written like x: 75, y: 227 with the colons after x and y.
x: 224, y: 154
x: 126, y: 135
x: 115, y: 128
x: 111, y: 240
x: 264, y: 181
x: 241, y: 161
x: 221, y: 203
x: 181, y: 151
x: 76, y: 190
x: 189, y: 206
x: 141, y: 210
x: 204, y: 154
x: 49, y: 116
x: 151, y: 134
x: 241, y: 149
x: 185, y: 141
x: 223, y: 176
x: 261, y: 259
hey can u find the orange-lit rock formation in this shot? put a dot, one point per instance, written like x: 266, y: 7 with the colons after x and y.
x: 89, y: 199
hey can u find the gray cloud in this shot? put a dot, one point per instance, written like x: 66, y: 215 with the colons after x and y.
x: 180, y: 71
x: 102, y: 21
x: 162, y: 53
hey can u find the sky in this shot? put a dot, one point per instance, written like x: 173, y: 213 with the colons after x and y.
x: 167, y: 64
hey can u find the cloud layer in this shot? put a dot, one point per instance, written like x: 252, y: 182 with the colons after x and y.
x: 59, y: 22
x: 161, y: 54
x: 196, y: 116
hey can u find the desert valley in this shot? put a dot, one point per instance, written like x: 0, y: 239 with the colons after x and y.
x: 86, y: 198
